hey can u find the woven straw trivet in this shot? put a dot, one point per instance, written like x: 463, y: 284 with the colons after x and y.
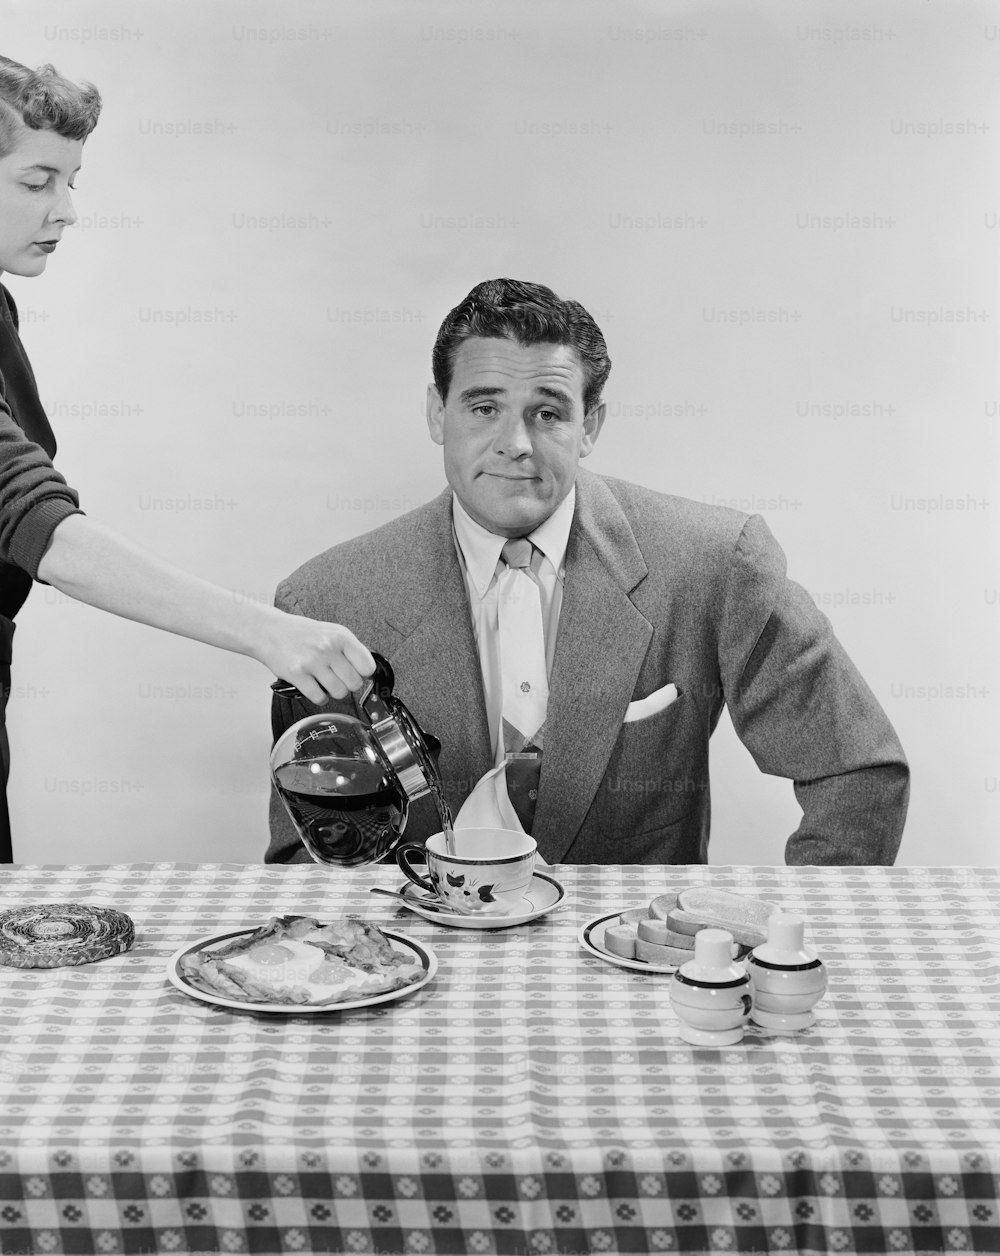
x: 52, y: 935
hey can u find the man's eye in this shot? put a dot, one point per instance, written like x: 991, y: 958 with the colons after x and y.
x: 549, y: 416
x: 486, y: 408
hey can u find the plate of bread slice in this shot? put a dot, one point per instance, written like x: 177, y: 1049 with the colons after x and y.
x: 658, y: 936
x: 295, y: 964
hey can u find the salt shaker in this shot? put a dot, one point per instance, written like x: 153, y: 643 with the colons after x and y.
x: 787, y: 978
x: 711, y: 993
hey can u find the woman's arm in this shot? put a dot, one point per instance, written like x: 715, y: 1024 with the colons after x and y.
x: 91, y: 563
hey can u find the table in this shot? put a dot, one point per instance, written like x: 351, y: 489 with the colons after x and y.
x: 530, y: 1099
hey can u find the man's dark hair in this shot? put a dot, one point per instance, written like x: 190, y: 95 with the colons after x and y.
x: 528, y: 314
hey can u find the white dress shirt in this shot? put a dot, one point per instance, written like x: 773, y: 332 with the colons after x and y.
x: 479, y: 558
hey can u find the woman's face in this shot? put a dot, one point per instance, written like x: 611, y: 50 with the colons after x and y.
x: 35, y: 204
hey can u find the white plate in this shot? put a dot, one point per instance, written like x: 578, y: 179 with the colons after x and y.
x: 591, y: 938
x: 542, y: 895
x: 406, y: 946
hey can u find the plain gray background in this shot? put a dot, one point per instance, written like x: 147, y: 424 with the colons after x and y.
x: 783, y: 213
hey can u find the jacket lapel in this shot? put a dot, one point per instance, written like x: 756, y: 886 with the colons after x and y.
x: 600, y: 646
x: 436, y: 660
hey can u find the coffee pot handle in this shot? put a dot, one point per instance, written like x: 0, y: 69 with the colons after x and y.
x: 373, y: 699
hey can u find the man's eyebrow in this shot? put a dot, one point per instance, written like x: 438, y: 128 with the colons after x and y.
x: 487, y: 390
x: 556, y: 394
x: 481, y: 390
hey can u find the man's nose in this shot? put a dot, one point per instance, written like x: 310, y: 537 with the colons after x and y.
x: 514, y: 438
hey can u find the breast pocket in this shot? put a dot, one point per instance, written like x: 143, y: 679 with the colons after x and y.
x: 652, y: 725
x: 656, y: 773
x: 647, y: 748
x: 655, y: 702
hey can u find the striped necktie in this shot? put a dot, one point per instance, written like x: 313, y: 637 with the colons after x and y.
x: 525, y: 686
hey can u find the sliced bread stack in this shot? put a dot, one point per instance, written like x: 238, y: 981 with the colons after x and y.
x: 664, y: 932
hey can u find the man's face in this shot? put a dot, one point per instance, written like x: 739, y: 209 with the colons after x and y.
x: 35, y: 202
x: 513, y: 430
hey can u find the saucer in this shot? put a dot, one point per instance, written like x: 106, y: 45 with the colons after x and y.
x: 542, y: 895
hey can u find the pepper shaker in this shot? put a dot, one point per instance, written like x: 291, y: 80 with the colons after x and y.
x: 787, y: 978
x: 711, y: 993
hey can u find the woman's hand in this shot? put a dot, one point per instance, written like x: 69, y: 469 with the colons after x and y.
x: 321, y: 660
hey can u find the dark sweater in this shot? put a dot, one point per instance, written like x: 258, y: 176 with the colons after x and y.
x: 34, y: 497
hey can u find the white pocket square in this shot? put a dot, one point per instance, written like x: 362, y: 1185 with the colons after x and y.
x: 656, y: 702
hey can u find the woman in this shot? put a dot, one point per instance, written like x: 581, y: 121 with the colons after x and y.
x: 44, y: 121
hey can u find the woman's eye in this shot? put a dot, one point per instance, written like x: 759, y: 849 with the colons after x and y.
x: 36, y: 187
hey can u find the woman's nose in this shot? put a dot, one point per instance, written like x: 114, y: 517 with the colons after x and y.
x: 63, y: 210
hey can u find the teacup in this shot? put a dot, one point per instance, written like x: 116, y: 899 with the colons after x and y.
x: 487, y: 875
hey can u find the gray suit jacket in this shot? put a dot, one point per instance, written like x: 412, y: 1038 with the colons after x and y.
x: 658, y: 589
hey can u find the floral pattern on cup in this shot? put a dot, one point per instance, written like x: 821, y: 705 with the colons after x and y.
x: 455, y: 887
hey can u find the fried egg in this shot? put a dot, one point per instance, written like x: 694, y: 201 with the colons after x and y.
x: 292, y: 965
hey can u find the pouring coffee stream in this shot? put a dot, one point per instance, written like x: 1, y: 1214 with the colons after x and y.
x: 347, y: 781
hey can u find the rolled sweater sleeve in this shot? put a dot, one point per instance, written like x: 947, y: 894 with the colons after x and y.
x: 34, y: 497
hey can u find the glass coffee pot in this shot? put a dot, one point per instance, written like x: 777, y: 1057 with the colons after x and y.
x: 347, y: 781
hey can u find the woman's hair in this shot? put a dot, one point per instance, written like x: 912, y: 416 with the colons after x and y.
x: 43, y: 100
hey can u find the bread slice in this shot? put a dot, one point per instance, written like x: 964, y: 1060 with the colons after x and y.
x: 703, y: 906
x: 658, y: 931
x: 661, y: 905
x: 620, y: 940
x: 653, y: 954
x: 683, y: 922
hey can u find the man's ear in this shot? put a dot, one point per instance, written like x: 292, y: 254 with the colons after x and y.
x: 435, y: 415
x: 593, y: 421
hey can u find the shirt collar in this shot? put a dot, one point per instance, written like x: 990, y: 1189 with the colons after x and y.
x: 480, y: 549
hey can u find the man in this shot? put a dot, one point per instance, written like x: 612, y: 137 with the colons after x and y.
x: 650, y: 612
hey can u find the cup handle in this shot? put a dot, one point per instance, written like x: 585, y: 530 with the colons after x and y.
x: 403, y: 859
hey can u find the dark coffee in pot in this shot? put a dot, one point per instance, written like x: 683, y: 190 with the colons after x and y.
x: 346, y: 812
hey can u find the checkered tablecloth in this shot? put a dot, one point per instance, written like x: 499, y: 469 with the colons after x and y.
x: 530, y: 1099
